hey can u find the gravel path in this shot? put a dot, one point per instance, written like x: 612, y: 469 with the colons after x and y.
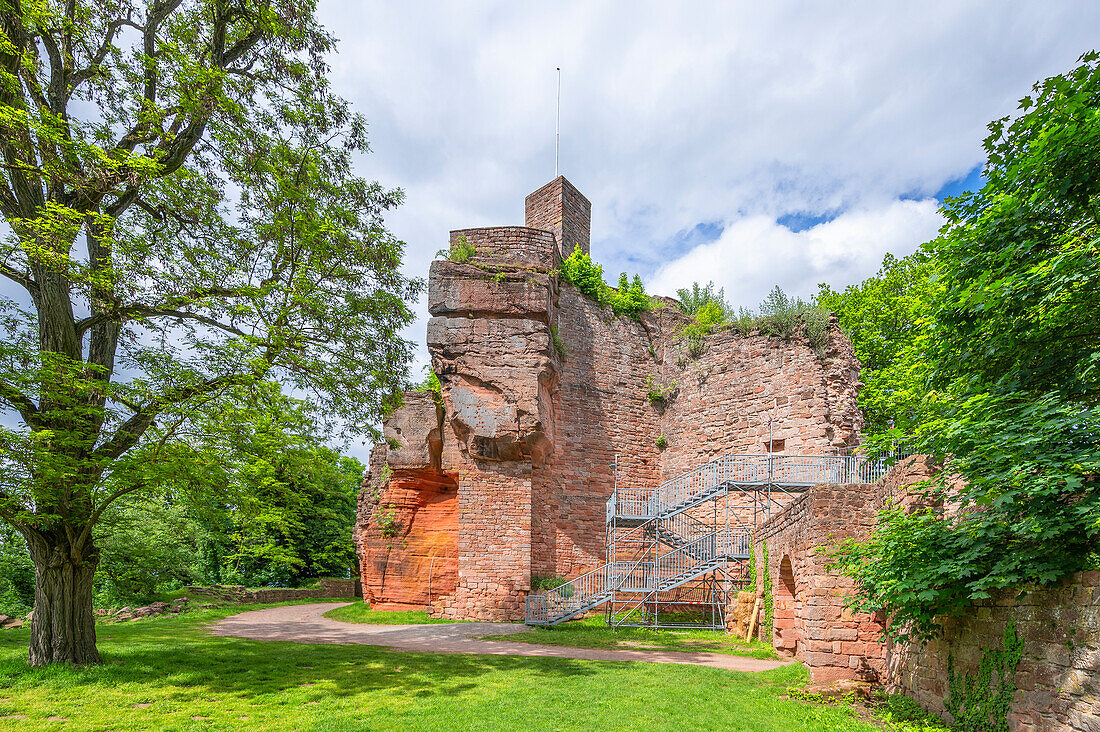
x: 305, y: 624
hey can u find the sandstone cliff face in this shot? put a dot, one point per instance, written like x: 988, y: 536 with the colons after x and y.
x: 544, y: 393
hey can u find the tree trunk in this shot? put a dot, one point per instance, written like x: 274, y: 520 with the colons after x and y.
x: 63, y: 627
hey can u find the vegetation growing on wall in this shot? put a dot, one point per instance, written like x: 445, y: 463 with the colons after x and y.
x: 629, y: 299
x: 559, y: 346
x: 980, y: 702
x: 656, y: 393
x: 460, y: 251
x: 769, y: 601
x: 1006, y: 354
x: 779, y: 315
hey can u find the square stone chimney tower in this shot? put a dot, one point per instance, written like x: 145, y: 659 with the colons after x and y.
x: 560, y: 208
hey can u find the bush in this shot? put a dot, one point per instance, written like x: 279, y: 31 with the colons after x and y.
x: 695, y: 299
x: 16, y: 574
x: 630, y: 299
x: 658, y: 393
x: 782, y: 315
x: 387, y: 522
x: 544, y: 582
x: 587, y: 276
x: 460, y: 251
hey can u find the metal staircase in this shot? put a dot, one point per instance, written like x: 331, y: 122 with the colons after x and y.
x: 656, y: 544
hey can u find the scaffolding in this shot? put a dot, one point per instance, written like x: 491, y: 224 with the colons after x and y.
x: 676, y: 552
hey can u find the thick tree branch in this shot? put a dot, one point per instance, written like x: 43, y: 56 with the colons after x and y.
x: 130, y: 431
x: 22, y: 279
x: 17, y: 399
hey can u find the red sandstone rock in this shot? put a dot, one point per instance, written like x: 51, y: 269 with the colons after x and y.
x: 542, y: 389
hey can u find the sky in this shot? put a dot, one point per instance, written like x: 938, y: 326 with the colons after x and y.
x: 752, y: 144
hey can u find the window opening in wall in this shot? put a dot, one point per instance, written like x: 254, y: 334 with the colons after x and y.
x: 775, y: 445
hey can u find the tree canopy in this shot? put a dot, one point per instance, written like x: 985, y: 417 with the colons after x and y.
x: 185, y: 219
x: 1008, y: 339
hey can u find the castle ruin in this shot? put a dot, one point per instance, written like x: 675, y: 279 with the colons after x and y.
x: 544, y: 392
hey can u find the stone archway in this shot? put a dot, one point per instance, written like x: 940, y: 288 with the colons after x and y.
x: 787, y: 638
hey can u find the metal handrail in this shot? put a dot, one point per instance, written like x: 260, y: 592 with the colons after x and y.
x: 754, y: 470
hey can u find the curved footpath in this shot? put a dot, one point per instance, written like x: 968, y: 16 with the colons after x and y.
x: 305, y: 624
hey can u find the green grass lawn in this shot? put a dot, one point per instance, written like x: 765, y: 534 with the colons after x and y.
x: 594, y: 633
x: 169, y: 674
x: 361, y: 612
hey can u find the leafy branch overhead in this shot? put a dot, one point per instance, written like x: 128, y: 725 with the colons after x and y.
x: 1004, y: 354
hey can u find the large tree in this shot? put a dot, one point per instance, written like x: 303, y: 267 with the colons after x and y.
x: 183, y: 220
x: 1010, y: 341
x: 883, y: 316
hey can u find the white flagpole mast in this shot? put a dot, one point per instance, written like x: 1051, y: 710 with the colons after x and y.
x: 557, y: 124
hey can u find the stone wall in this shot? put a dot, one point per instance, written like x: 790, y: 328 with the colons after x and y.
x: 1058, y: 678
x: 543, y: 392
x: 745, y: 393
x: 326, y: 588
x: 810, y: 620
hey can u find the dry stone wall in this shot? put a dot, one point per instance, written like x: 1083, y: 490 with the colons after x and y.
x: 1058, y: 678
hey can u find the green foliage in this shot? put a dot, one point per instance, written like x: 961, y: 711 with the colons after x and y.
x: 883, y: 318
x: 559, y: 347
x: 543, y: 582
x: 662, y: 442
x: 709, y: 314
x: 980, y: 702
x: 785, y: 316
x: 898, y: 713
x: 629, y: 299
x: 430, y: 383
x: 16, y: 574
x: 183, y: 216
x: 751, y: 586
x: 579, y: 270
x: 461, y: 251
x: 693, y: 300
x: 769, y: 600
x: 255, y: 499
x: 658, y: 393
x: 1012, y: 374
x: 779, y: 315
x: 386, y: 519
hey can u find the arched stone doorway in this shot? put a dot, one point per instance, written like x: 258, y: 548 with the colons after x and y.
x: 787, y: 638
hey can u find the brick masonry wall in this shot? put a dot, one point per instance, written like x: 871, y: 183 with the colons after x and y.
x: 811, y: 622
x: 558, y: 207
x: 529, y: 430
x: 515, y: 245
x: 1058, y: 679
x: 600, y: 410
x: 723, y: 400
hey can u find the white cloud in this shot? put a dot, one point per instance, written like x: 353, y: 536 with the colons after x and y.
x: 679, y: 114
x: 755, y: 253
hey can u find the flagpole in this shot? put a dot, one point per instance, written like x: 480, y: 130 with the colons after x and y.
x: 557, y: 124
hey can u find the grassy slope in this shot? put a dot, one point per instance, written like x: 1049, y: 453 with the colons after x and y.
x: 360, y: 612
x: 594, y: 633
x: 169, y: 674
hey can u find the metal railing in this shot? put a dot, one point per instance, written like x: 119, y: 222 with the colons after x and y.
x: 696, y: 547
x: 720, y: 474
